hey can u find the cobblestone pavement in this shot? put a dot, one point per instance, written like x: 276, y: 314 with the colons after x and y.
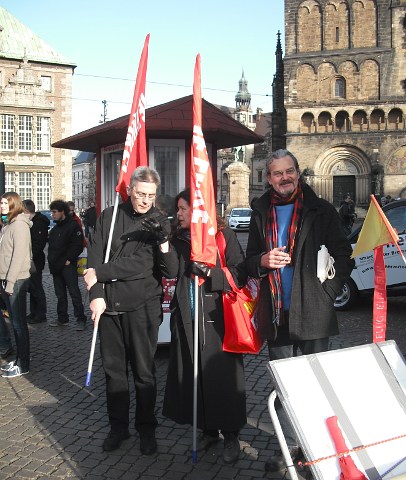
x: 51, y: 427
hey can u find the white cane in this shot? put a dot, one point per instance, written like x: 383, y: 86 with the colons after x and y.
x: 195, y: 368
x: 96, y: 322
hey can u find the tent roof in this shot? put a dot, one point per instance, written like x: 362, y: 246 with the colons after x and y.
x: 168, y: 120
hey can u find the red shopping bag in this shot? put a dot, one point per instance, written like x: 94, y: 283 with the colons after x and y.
x: 239, y: 304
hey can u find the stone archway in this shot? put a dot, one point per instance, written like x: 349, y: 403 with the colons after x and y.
x: 343, y: 160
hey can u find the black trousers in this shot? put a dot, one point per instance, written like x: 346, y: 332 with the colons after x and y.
x: 67, y: 279
x: 131, y: 338
x: 38, y: 302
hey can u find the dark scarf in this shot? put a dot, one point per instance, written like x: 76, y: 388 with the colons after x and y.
x: 272, y: 241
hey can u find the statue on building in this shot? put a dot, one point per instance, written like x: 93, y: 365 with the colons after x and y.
x: 239, y: 154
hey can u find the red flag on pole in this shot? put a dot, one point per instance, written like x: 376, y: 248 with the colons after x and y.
x: 203, y: 226
x: 135, y: 150
x: 376, y: 232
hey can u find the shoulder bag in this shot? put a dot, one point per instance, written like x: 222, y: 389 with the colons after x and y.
x: 239, y: 304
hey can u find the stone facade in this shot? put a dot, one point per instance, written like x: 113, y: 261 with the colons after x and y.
x: 344, y: 79
x: 35, y: 111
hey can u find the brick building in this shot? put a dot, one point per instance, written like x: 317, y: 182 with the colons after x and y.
x: 344, y: 92
x: 35, y: 110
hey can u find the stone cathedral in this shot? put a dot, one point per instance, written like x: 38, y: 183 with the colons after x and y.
x: 344, y: 78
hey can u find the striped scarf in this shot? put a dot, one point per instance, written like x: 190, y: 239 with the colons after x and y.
x: 272, y: 240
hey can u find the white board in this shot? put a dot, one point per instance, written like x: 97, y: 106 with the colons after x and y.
x: 365, y: 387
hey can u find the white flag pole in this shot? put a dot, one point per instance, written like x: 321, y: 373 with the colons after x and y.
x: 195, y: 368
x: 96, y: 322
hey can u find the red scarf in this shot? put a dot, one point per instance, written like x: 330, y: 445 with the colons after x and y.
x: 272, y: 240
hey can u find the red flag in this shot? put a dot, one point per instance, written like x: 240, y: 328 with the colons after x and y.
x: 135, y: 150
x: 376, y: 232
x: 380, y: 302
x: 203, y: 225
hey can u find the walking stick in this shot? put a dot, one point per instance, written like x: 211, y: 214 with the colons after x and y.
x: 195, y: 367
x: 96, y: 321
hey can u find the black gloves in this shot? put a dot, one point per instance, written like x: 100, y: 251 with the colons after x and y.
x: 152, y: 226
x: 199, y: 269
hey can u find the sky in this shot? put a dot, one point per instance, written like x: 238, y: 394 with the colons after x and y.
x: 105, y: 39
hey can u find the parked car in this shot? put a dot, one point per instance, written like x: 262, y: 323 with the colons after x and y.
x: 239, y: 218
x: 362, y: 277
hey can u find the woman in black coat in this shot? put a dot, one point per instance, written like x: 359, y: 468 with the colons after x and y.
x: 221, y: 384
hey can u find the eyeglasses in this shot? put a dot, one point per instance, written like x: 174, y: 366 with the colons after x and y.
x: 144, y: 196
x: 279, y: 174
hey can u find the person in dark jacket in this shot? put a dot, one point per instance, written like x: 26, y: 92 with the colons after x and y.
x: 65, y: 244
x: 289, y: 224
x: 72, y: 213
x: 126, y: 300
x: 90, y: 218
x: 39, y: 238
x: 221, y: 384
x: 347, y: 213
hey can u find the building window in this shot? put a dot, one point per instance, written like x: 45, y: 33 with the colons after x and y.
x: 339, y: 88
x: 259, y: 176
x: 9, y: 182
x: 166, y: 162
x: 25, y: 133
x: 25, y: 185
x: 7, y: 132
x: 43, y: 191
x: 46, y: 83
x: 43, y: 134
x: 337, y: 34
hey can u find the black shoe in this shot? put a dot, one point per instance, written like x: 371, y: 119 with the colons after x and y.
x: 277, y: 462
x: 80, y: 325
x: 7, y: 352
x: 148, y: 444
x: 231, y: 448
x: 206, y: 439
x: 114, y: 440
x: 57, y: 323
x: 33, y: 321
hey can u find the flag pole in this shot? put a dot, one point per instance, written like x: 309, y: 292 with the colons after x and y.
x: 195, y: 367
x: 203, y: 223
x: 96, y: 322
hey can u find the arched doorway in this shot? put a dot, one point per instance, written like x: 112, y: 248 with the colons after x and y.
x: 343, y: 169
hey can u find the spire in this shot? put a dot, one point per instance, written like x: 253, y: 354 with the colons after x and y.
x: 243, y: 97
x: 279, y: 57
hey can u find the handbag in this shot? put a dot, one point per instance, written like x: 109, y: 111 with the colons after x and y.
x: 240, y: 335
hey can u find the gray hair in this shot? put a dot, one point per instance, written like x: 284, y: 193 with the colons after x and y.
x: 145, y: 174
x: 280, y: 154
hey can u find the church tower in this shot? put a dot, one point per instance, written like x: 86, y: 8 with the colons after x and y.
x: 278, y: 101
x: 345, y: 71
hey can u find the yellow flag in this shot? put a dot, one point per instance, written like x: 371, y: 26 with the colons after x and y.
x: 375, y: 231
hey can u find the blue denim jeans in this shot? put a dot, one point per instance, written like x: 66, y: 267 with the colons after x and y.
x: 16, y: 305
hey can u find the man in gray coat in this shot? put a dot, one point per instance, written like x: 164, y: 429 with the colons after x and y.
x: 295, y: 310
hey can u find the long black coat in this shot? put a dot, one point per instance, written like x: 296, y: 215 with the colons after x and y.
x: 311, y: 314
x: 221, y: 383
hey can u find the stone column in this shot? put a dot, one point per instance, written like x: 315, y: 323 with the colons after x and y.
x: 238, y: 184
